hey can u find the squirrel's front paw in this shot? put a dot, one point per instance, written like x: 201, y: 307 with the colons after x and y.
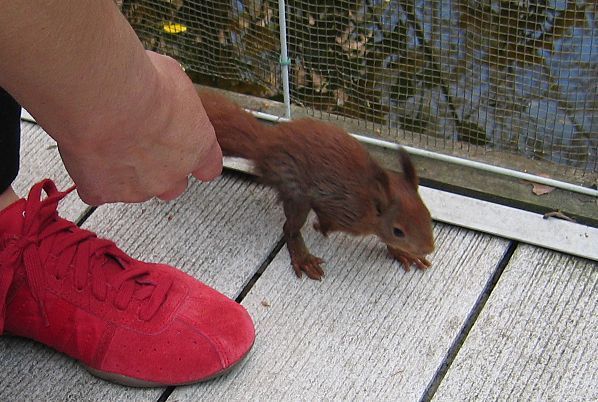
x: 308, y: 264
x: 407, y: 259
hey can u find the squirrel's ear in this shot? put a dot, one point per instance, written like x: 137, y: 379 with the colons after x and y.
x: 382, y: 185
x: 408, y: 168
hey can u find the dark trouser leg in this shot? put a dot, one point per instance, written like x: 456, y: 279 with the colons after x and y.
x: 10, y: 131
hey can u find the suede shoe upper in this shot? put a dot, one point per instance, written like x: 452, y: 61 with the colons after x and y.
x: 128, y: 321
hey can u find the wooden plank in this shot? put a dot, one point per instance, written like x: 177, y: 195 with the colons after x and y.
x: 537, y: 336
x: 219, y: 232
x: 40, y: 159
x: 512, y: 223
x: 33, y: 372
x: 26, y: 116
x: 367, y: 331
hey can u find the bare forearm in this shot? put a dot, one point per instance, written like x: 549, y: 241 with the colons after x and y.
x: 56, y: 54
x: 128, y: 123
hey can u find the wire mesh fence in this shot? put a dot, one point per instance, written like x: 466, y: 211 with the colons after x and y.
x: 466, y: 77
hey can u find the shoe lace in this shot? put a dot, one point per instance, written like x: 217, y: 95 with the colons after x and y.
x: 77, y: 249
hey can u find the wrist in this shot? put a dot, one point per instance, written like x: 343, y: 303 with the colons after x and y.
x: 132, y: 113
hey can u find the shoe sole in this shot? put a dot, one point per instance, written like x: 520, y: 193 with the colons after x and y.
x: 138, y: 383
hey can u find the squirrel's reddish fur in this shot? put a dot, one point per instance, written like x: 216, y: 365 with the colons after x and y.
x: 316, y: 165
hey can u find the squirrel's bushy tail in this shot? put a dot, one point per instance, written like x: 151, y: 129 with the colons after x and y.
x: 237, y: 131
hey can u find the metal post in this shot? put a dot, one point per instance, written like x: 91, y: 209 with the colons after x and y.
x: 284, y: 58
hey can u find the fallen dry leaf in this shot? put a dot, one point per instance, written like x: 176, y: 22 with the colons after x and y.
x: 541, y: 189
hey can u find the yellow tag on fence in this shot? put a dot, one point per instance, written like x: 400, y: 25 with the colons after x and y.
x: 174, y: 28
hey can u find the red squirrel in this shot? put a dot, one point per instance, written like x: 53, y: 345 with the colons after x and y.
x: 316, y: 165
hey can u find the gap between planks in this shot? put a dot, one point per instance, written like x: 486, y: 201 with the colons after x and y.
x: 468, y: 324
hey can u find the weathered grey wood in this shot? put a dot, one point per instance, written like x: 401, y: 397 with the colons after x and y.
x: 368, y: 331
x: 30, y: 371
x: 512, y: 223
x: 33, y: 372
x: 219, y: 232
x: 536, y: 338
x: 39, y: 160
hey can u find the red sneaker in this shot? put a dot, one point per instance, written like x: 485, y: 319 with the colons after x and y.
x: 127, y: 321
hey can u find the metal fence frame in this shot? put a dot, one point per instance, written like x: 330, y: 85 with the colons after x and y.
x: 285, y: 62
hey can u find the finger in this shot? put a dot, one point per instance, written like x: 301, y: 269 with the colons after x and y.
x: 178, y: 189
x: 211, y: 165
x: 96, y: 198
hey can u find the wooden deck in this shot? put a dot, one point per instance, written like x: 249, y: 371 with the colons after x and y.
x: 492, y: 320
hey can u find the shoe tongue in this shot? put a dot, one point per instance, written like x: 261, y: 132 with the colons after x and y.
x: 11, y: 218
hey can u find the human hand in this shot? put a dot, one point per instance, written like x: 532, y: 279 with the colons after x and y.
x: 151, y: 147
x: 209, y: 164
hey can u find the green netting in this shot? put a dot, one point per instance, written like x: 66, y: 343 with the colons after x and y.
x: 520, y: 77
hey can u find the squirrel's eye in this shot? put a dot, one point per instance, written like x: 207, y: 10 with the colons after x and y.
x: 398, y: 232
